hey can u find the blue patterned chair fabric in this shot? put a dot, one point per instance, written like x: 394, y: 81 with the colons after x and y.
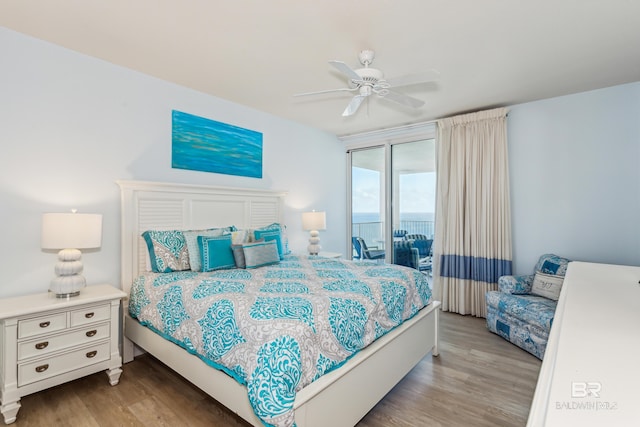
x: 405, y: 254
x: 517, y: 315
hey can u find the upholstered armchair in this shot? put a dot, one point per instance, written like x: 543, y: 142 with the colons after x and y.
x: 523, y: 307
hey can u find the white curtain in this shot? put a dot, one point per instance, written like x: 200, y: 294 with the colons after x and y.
x: 472, y: 244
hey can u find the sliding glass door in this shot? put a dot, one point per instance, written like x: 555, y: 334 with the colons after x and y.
x: 368, y: 208
x: 392, y: 197
x: 413, y: 187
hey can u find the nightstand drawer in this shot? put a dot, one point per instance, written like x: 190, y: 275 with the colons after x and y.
x: 62, y: 363
x: 42, y: 325
x: 49, y: 344
x: 90, y: 315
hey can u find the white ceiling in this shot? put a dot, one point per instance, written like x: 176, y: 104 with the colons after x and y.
x: 260, y: 53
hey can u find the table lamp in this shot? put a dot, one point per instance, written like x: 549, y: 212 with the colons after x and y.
x: 312, y: 222
x: 70, y: 232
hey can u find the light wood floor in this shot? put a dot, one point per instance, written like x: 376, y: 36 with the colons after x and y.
x: 479, y: 379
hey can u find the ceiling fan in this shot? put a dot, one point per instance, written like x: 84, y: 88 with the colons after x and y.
x: 367, y: 81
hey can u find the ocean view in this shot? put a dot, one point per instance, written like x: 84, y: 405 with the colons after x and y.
x: 360, y: 217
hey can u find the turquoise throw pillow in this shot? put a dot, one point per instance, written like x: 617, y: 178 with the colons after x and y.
x: 191, y: 237
x: 216, y: 252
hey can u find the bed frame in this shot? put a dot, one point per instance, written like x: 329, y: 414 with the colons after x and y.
x: 340, y: 398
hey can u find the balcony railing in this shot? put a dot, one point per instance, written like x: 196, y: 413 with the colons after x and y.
x: 373, y: 232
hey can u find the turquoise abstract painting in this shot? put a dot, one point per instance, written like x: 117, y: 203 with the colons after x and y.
x: 206, y: 145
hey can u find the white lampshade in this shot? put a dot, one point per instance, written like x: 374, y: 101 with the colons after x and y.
x: 314, y: 221
x: 70, y: 232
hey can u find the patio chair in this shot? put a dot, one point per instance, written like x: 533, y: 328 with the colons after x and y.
x: 405, y: 254
x: 399, y: 233
x: 363, y: 252
x: 423, y: 244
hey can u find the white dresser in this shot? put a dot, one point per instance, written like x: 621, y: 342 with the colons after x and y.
x: 48, y: 341
x: 590, y: 374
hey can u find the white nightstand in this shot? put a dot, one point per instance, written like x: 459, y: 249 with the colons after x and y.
x: 47, y: 341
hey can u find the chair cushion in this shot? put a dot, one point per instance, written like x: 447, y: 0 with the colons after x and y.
x: 530, y: 309
x: 516, y: 285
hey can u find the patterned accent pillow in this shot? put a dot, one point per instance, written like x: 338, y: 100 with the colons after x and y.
x: 191, y: 237
x: 261, y: 253
x: 271, y: 235
x: 552, y: 264
x: 167, y: 250
x: 547, y: 285
x: 216, y: 252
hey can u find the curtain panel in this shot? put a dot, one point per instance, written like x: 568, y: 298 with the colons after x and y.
x: 472, y: 244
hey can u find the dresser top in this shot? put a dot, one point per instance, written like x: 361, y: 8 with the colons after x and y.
x: 590, y: 369
x: 37, y: 303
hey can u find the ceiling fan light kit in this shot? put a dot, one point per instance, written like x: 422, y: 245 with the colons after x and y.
x: 367, y: 81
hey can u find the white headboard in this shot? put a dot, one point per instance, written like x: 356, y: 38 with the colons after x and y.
x: 162, y: 206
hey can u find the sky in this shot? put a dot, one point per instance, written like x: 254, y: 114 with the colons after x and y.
x: 417, y: 191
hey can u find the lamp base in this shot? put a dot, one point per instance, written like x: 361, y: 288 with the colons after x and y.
x: 69, y: 295
x: 314, y: 247
x: 67, y: 286
x: 68, y: 281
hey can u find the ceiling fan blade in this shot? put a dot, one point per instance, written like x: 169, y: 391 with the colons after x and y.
x: 353, y: 105
x: 403, y: 99
x: 345, y: 69
x: 344, y: 89
x: 412, y: 79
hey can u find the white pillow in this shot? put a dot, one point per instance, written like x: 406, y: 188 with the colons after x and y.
x: 547, y: 285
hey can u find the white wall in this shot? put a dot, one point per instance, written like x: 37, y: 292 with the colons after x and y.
x: 575, y: 177
x: 71, y: 125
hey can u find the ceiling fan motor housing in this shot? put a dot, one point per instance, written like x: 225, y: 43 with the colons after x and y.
x: 370, y: 74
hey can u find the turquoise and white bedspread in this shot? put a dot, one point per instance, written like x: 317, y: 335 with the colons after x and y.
x: 276, y: 329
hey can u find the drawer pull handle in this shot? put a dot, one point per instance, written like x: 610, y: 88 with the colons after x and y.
x: 89, y: 315
x: 42, y: 368
x: 42, y: 345
x: 91, y: 333
x: 91, y: 354
x: 44, y: 324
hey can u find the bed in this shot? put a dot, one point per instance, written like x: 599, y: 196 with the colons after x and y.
x: 159, y: 206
